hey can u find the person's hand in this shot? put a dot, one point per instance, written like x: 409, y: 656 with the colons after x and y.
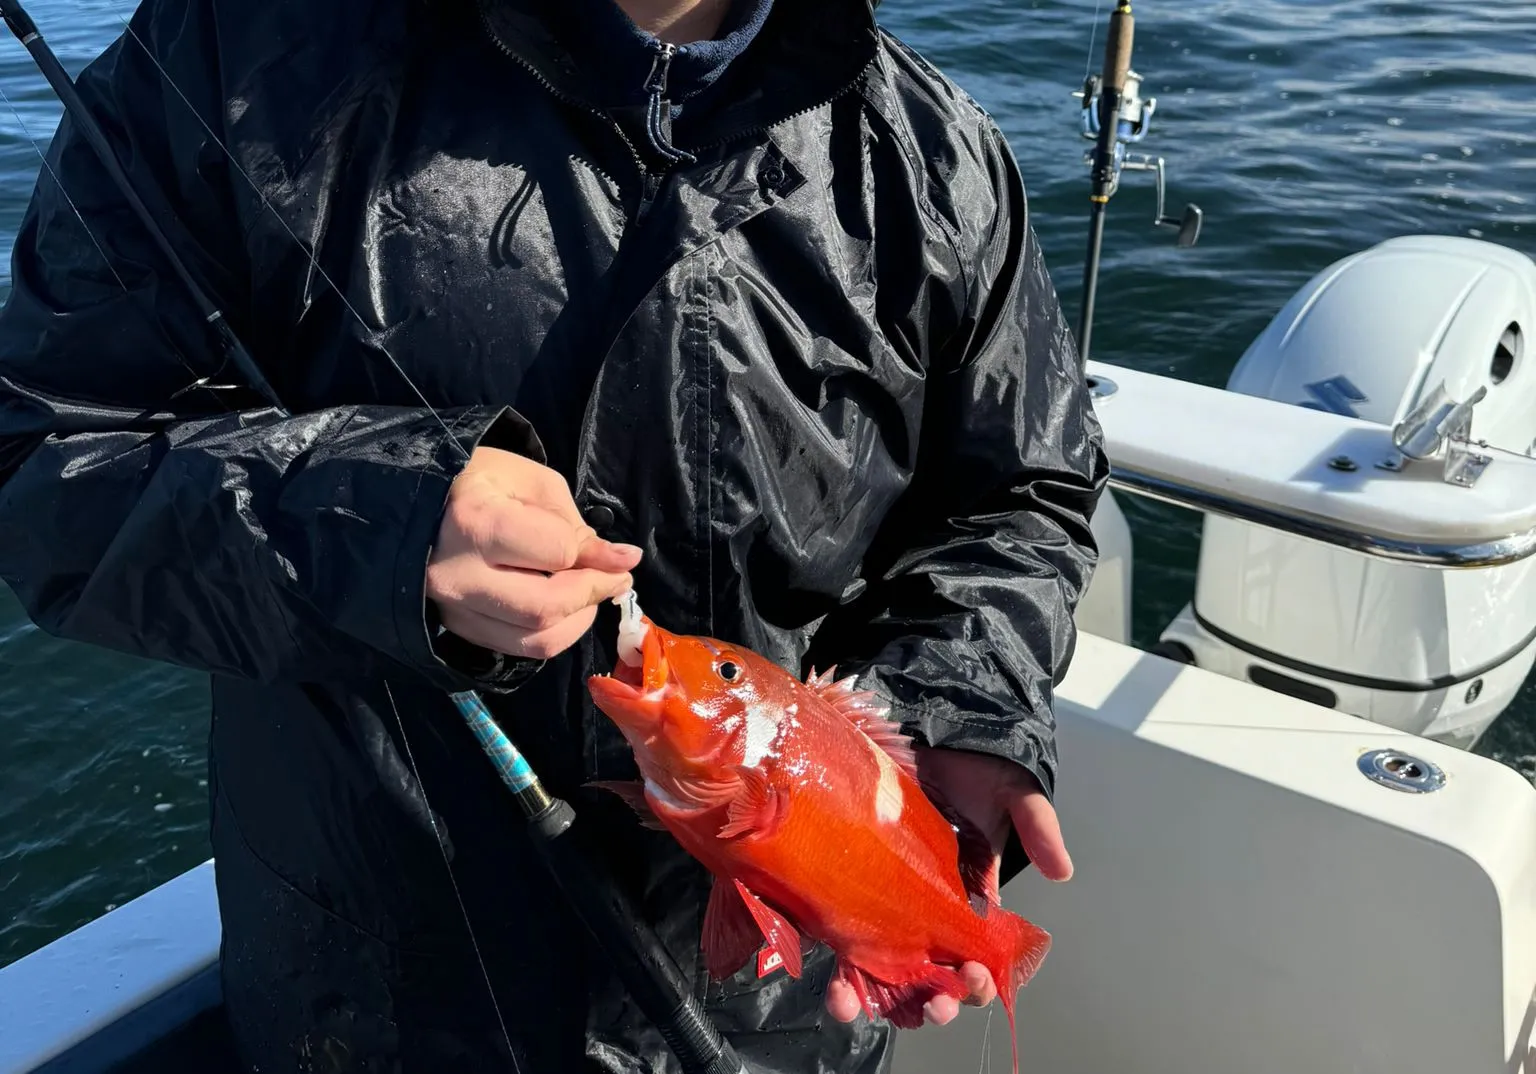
x: 993, y: 794
x: 515, y: 569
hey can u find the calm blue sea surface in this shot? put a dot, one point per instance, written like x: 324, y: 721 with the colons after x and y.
x: 1306, y: 129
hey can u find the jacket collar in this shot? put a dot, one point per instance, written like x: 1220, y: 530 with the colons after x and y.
x: 806, y: 53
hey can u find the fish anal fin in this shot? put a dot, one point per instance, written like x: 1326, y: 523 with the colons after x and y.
x: 633, y: 794
x: 757, y: 809
x: 731, y: 933
x: 901, y: 1004
x: 978, y: 862
x: 782, y: 937
x: 866, y: 711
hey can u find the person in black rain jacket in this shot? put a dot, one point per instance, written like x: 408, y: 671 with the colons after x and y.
x: 758, y: 325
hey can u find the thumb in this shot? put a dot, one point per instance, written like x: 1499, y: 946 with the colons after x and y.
x: 600, y: 555
x: 1034, y: 818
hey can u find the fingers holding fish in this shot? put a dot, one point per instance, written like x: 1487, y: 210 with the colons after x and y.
x: 983, y: 990
x: 509, y: 532
x: 941, y: 1010
x: 842, y: 1002
x: 512, y: 512
x: 501, y: 637
x: 525, y: 613
x: 534, y: 601
x: 515, y: 569
x: 994, y: 793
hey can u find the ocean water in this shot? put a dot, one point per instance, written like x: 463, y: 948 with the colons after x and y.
x: 1306, y: 130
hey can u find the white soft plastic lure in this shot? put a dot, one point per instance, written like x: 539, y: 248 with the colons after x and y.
x: 632, y: 629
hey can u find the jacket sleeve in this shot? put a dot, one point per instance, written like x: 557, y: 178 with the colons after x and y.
x: 967, y: 620
x: 191, y: 526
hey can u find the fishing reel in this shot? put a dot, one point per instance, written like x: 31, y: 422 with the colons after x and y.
x: 1132, y: 124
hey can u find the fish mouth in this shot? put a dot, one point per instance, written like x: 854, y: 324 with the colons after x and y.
x: 632, y: 695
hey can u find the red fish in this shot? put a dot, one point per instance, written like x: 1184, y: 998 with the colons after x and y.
x: 803, y: 800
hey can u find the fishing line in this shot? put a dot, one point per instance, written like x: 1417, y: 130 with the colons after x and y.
x: 56, y: 182
x: 986, y: 1043
x: 442, y: 846
x: 313, y: 260
x: 1093, y: 35
x: 200, y: 381
x: 452, y: 440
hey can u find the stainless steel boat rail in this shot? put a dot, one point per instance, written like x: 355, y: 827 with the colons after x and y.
x: 1324, y: 477
x: 1449, y: 555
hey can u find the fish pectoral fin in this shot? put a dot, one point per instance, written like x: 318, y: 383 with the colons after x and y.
x: 731, y: 934
x: 865, y: 710
x: 757, y: 809
x: 782, y: 937
x: 633, y: 793
x: 901, y: 1005
x: 978, y: 862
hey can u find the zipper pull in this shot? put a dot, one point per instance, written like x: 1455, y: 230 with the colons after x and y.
x: 656, y: 81
x: 658, y: 112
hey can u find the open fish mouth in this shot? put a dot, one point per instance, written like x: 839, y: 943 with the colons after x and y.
x: 641, y: 676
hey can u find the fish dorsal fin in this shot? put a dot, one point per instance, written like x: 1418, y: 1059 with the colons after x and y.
x: 868, y: 713
x: 757, y: 809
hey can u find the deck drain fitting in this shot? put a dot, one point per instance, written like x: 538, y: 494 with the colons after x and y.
x: 1401, y: 771
x: 1101, y: 387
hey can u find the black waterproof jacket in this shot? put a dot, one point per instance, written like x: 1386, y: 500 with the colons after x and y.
x: 818, y: 372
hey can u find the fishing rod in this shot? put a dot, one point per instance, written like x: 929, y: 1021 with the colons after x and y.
x: 1114, y: 116
x: 647, y: 969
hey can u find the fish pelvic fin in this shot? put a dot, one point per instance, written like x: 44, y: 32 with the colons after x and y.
x: 731, y: 934
x: 757, y: 810
x: 633, y: 793
x: 866, y: 711
x: 1024, y: 948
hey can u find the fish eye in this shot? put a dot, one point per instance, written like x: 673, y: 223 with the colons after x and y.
x: 729, y: 670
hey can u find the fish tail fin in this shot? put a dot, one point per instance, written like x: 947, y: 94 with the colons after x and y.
x: 1024, y: 948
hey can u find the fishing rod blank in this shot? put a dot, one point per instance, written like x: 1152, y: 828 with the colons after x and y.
x: 1117, y: 62
x: 1114, y: 116
x: 158, y: 220
x: 648, y: 971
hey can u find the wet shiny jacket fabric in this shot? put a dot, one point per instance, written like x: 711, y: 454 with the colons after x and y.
x: 818, y: 372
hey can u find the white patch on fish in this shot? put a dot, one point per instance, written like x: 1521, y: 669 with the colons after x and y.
x: 888, y: 796
x: 762, y: 729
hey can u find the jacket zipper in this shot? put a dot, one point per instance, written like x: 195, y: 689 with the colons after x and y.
x: 576, y: 102
x: 639, y: 161
x: 657, y: 105
x: 651, y: 182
